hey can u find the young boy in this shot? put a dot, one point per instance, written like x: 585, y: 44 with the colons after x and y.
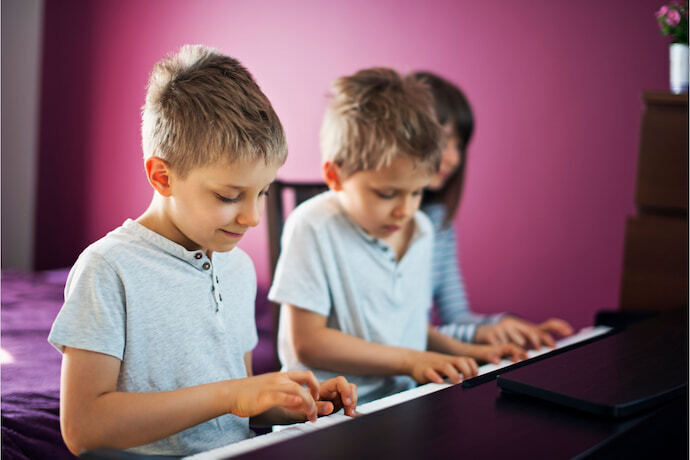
x: 354, y: 275
x: 158, y: 326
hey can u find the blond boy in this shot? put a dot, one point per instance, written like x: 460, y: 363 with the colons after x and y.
x: 158, y: 322
x: 354, y: 275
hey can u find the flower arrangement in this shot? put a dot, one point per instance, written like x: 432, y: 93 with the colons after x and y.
x: 673, y: 21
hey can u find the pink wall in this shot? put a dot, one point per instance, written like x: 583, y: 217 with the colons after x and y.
x: 555, y: 85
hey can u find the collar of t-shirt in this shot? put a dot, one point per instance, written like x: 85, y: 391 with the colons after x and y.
x: 196, y: 258
x: 417, y: 233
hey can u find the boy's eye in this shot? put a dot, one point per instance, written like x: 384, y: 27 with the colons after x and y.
x: 226, y: 199
x: 417, y: 192
x: 384, y: 195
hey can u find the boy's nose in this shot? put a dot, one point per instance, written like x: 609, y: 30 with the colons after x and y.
x: 405, y: 208
x: 250, y: 215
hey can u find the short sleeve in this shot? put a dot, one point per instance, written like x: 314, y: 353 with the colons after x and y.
x: 300, y: 277
x: 93, y: 315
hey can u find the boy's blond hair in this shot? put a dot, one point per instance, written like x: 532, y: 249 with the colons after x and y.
x: 202, y: 107
x: 376, y: 115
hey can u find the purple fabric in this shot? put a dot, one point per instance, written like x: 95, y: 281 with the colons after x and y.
x: 30, y: 374
x: 31, y: 366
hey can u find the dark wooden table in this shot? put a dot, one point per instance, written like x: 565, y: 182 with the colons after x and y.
x: 483, y: 422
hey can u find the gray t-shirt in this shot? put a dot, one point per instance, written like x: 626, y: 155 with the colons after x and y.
x: 175, y: 318
x: 330, y: 266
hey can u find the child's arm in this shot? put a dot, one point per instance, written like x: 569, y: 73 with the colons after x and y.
x: 94, y: 415
x: 442, y: 343
x: 333, y: 394
x: 319, y: 346
x: 524, y: 333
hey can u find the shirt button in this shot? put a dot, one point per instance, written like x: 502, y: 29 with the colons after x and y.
x: 206, y: 266
x: 198, y: 255
x: 217, y: 280
x: 220, y: 297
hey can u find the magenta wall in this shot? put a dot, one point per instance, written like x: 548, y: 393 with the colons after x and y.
x: 555, y: 85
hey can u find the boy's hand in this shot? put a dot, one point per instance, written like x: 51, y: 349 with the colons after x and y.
x: 254, y: 395
x: 522, y: 333
x: 335, y: 394
x: 494, y: 353
x: 429, y: 366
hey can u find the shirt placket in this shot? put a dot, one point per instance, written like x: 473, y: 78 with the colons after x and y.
x: 210, y: 269
x: 396, y: 273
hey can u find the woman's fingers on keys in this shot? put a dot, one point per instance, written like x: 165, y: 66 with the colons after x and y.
x: 516, y: 336
x: 501, y: 335
x: 492, y: 337
x: 532, y: 335
x: 306, y: 378
x: 546, y: 338
x: 558, y: 326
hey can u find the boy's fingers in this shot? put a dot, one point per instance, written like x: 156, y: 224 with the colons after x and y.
x: 344, y: 389
x: 475, y: 367
x: 307, y: 403
x: 452, y: 373
x: 306, y: 378
x: 325, y: 407
x: 517, y: 353
x: 494, y: 358
x: 351, y: 409
x: 432, y: 376
x: 465, y: 367
x: 279, y: 398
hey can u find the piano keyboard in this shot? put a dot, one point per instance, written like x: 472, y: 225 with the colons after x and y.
x: 290, y: 431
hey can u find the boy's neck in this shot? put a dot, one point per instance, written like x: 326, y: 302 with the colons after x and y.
x: 156, y: 219
x: 400, y: 240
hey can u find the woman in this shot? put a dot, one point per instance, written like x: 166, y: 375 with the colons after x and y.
x: 441, y: 203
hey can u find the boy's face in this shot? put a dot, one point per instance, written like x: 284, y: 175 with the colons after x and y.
x: 384, y: 201
x: 214, y: 205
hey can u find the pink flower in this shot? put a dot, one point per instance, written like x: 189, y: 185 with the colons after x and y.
x: 662, y: 11
x: 673, y: 18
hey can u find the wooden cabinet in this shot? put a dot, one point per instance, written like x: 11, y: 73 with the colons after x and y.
x: 655, y: 260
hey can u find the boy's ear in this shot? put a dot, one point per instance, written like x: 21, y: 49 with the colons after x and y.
x: 159, y: 175
x: 331, y: 175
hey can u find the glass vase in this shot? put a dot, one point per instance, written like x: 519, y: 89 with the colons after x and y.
x: 678, y: 59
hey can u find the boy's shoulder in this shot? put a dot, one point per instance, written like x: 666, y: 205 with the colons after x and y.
x: 316, y: 212
x: 424, y: 222
x: 117, y: 241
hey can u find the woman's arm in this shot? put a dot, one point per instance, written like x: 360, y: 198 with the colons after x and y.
x: 457, y: 319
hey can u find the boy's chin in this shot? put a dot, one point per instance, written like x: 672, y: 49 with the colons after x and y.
x: 226, y: 247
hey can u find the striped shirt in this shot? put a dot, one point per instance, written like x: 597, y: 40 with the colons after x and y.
x: 450, y: 297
